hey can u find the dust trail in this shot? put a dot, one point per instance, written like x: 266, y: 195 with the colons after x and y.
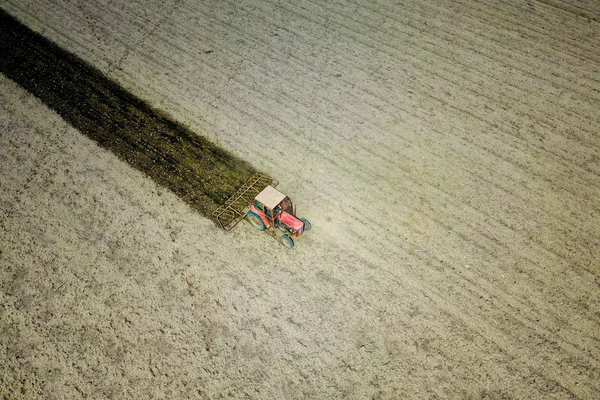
x: 199, y: 172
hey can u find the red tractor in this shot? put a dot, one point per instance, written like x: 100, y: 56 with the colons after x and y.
x: 274, y: 210
x: 267, y: 210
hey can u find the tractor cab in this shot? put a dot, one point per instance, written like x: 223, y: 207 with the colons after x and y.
x: 271, y: 203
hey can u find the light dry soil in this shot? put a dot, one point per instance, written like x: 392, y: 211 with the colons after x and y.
x: 447, y: 154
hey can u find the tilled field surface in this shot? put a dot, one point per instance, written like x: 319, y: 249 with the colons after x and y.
x: 447, y: 154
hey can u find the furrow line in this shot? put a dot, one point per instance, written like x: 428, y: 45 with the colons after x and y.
x: 74, y: 39
x: 573, y: 8
x: 460, y: 88
x: 549, y: 19
x: 118, y: 31
x: 476, y: 38
x: 437, y: 99
x: 513, y: 135
x: 491, y: 286
x: 431, y: 47
x: 529, y: 323
x: 482, y: 33
x: 80, y: 47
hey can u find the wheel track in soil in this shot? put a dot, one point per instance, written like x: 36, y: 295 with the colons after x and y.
x: 497, y: 242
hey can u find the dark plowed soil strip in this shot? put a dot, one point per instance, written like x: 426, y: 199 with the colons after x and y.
x: 199, y: 172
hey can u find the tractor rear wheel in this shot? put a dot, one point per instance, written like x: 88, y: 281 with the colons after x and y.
x: 256, y: 221
x: 287, y: 241
x: 307, y: 225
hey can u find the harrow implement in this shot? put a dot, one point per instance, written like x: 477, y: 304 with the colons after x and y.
x: 234, y: 209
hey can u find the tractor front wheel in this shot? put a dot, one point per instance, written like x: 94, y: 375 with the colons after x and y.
x: 255, y: 220
x: 307, y: 225
x: 287, y: 241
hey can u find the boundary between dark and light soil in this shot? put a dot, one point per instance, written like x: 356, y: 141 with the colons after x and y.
x: 199, y: 172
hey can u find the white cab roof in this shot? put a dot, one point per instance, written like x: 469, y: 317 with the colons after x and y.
x: 270, y: 197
